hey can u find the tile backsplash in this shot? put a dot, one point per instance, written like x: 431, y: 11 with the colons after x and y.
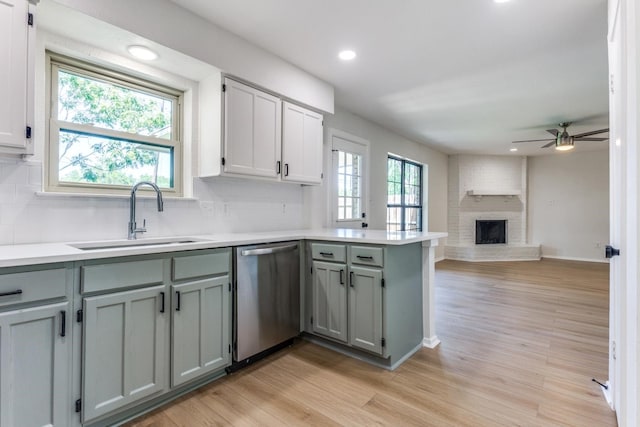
x: 220, y: 205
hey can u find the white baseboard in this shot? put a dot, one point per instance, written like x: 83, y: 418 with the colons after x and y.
x: 607, y: 394
x: 494, y: 260
x: 431, y: 342
x: 568, y: 258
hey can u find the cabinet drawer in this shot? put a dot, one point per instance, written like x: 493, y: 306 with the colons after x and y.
x: 201, y: 265
x: 117, y: 275
x: 327, y: 252
x: 366, y: 256
x: 30, y: 286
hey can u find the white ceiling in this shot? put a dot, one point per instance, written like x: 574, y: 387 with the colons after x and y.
x: 464, y: 76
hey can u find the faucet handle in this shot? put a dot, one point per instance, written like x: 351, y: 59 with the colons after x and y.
x: 142, y: 229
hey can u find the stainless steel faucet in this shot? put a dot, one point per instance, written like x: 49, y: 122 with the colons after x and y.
x: 133, y: 229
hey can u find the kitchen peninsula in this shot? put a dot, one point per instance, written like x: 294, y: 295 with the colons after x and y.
x: 136, y: 323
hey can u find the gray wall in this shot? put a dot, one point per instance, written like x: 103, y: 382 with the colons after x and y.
x: 569, y: 204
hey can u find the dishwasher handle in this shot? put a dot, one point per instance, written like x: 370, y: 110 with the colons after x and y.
x: 268, y: 251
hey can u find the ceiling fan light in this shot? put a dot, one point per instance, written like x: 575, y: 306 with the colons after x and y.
x: 564, y: 142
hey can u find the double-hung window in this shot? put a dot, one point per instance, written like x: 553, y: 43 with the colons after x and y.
x: 404, y: 195
x: 109, y: 130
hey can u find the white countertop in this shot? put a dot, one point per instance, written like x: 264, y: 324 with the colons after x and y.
x: 44, y: 253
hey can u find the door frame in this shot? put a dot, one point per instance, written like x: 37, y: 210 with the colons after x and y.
x: 336, y: 137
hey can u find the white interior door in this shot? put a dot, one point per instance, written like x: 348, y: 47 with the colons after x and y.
x: 616, y: 206
x: 349, y: 180
x: 624, y: 31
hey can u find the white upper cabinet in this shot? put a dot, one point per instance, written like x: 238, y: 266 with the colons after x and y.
x: 252, y: 131
x: 16, y: 77
x: 301, y: 144
x: 263, y: 137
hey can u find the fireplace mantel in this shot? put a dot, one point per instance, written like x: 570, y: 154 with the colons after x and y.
x: 478, y: 194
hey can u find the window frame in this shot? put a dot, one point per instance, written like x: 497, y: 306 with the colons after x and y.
x: 56, y: 62
x: 402, y: 205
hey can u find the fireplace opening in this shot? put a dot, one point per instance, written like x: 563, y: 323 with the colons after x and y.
x: 489, y: 232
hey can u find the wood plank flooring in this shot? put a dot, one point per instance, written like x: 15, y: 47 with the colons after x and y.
x: 520, y: 344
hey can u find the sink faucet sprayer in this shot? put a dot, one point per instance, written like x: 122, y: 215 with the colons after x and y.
x: 133, y: 229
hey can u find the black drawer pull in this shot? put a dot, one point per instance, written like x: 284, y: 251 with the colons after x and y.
x: 327, y: 254
x: 278, y: 167
x: 161, y: 302
x: 286, y: 169
x: 342, y: 277
x: 177, y: 300
x: 351, y: 279
x: 63, y: 323
x: 367, y: 258
x: 8, y: 294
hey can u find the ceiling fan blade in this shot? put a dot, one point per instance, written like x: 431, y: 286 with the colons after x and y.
x: 589, y: 139
x: 549, y: 144
x: 553, y: 132
x: 593, y: 132
x: 532, y: 140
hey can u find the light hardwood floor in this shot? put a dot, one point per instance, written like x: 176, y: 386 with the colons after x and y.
x: 520, y: 344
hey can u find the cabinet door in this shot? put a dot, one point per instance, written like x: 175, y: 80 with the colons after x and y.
x: 365, y: 309
x: 200, y: 328
x: 252, y: 131
x: 124, y: 346
x: 330, y: 299
x: 301, y: 145
x: 34, y: 366
x: 14, y: 74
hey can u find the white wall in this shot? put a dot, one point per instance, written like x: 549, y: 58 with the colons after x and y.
x: 382, y: 143
x: 569, y: 204
x: 168, y: 24
x: 223, y: 205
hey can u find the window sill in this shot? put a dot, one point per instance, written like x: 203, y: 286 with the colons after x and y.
x: 61, y: 195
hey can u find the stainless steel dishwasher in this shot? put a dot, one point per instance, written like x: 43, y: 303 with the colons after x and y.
x: 267, y: 298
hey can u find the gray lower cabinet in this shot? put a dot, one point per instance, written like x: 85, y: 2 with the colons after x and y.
x: 123, y: 349
x: 330, y: 300
x: 199, y: 328
x: 376, y: 306
x: 365, y: 308
x: 150, y: 325
x: 347, y: 298
x: 34, y: 366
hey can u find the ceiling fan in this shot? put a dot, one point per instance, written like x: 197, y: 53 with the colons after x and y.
x: 563, y: 141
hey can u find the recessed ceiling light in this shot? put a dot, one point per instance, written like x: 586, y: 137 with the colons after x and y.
x: 347, y: 55
x: 513, y: 149
x: 501, y: 1
x: 142, y: 52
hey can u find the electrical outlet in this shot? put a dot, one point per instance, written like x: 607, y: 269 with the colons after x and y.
x: 207, y: 206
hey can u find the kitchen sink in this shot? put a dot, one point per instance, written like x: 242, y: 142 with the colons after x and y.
x: 119, y: 244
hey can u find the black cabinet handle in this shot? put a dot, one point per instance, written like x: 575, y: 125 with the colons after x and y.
x: 367, y: 258
x: 342, y: 277
x: 63, y: 323
x: 8, y: 294
x: 327, y: 254
x: 351, y: 279
x: 286, y: 169
x: 161, y: 302
x: 278, y: 167
x: 177, y: 300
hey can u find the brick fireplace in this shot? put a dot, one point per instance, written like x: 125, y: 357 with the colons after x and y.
x: 490, y: 190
